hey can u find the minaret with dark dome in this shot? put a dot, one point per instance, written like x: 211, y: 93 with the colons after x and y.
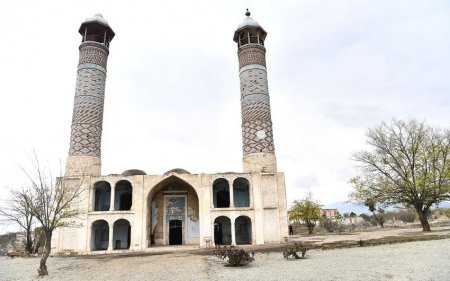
x: 257, y: 135
x: 87, y: 119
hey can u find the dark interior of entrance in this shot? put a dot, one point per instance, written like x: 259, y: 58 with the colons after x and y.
x: 175, y: 232
x: 222, y: 231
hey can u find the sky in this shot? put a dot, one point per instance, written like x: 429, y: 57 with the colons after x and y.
x: 335, y: 69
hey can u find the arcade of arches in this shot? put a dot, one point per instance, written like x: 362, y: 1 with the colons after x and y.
x: 240, y: 197
x: 121, y: 199
x: 100, y: 235
x: 223, y: 234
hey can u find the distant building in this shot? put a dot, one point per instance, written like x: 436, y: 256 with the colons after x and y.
x: 329, y: 213
x: 132, y: 211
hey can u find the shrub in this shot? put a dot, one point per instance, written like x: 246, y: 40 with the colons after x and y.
x: 330, y: 225
x: 292, y: 251
x: 406, y: 215
x: 236, y: 257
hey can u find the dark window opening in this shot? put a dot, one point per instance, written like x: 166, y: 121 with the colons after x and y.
x: 123, y: 196
x: 241, y: 192
x: 222, y: 231
x: 221, y: 193
x: 99, y: 235
x: 243, y: 230
x: 102, y: 196
x: 122, y: 234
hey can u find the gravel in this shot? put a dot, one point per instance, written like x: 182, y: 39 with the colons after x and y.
x: 424, y: 261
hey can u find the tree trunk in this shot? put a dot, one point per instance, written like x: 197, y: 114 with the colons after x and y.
x: 42, y: 271
x: 423, y: 219
x: 29, y: 246
x: 310, y: 226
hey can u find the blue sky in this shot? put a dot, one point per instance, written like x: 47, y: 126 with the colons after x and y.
x: 335, y: 68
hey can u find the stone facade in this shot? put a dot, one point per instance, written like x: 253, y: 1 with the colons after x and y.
x: 134, y: 211
x: 147, y: 216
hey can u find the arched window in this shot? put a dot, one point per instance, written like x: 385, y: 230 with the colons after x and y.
x: 221, y: 193
x: 123, y: 196
x: 102, y: 196
x: 241, y: 194
x: 121, y: 234
x: 99, y: 235
x: 222, y: 231
x: 243, y: 230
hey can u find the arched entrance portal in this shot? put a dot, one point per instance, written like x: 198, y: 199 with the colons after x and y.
x: 173, y: 217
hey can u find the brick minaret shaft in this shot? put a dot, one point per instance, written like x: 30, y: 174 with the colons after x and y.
x: 87, y: 119
x: 257, y: 135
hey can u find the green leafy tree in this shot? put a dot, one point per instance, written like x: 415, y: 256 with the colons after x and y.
x: 306, y: 210
x: 377, y: 213
x: 408, y: 165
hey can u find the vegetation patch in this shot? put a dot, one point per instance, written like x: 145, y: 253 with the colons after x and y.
x: 381, y: 241
x: 292, y: 251
x: 235, y: 256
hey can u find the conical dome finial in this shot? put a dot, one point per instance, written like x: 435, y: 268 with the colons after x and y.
x: 247, y: 13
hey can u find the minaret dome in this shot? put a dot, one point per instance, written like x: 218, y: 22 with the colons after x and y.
x: 249, y: 32
x: 96, y: 29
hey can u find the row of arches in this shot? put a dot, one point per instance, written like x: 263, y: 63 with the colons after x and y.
x: 221, y: 193
x: 100, y: 238
x: 223, y: 231
x: 120, y: 200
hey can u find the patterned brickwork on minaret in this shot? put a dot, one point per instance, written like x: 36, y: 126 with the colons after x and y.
x: 257, y: 134
x: 87, y: 118
x: 89, y: 100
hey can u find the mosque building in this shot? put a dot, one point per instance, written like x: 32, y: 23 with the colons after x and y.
x: 133, y: 211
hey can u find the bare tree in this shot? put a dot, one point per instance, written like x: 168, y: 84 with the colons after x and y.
x: 53, y: 203
x: 408, y: 165
x: 16, y: 210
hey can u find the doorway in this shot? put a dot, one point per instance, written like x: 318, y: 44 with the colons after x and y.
x: 175, y: 232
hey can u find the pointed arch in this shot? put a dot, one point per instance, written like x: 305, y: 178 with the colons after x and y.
x: 173, y: 213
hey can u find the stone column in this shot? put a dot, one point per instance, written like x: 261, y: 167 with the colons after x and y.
x: 112, y: 198
x: 233, y: 231
x: 111, y: 233
x: 231, y: 192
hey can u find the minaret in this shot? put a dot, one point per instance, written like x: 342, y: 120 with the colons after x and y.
x: 87, y: 118
x: 257, y: 136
